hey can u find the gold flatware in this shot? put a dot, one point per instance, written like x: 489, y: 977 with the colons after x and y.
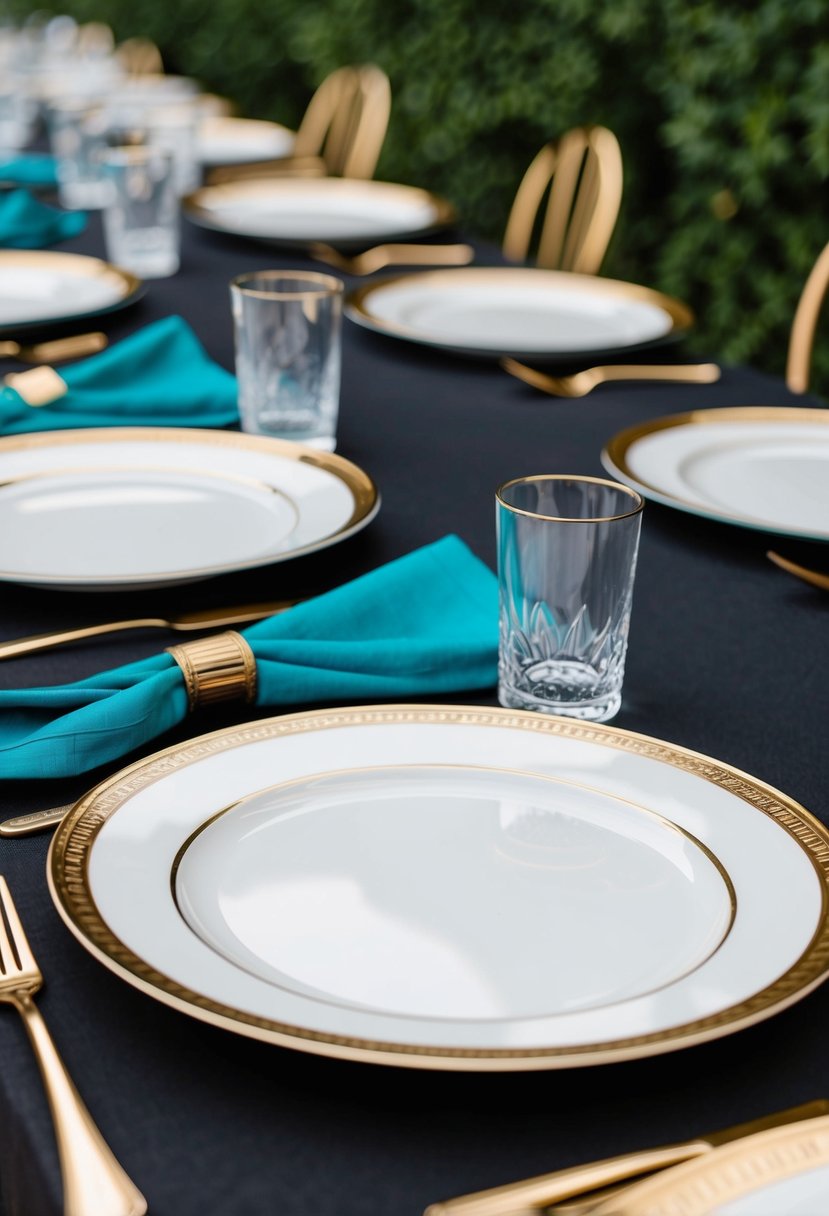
x: 93, y: 1181
x: 392, y: 255
x: 35, y: 821
x: 581, y: 383
x: 55, y: 351
x: 187, y: 622
x: 809, y: 576
x: 547, y: 1190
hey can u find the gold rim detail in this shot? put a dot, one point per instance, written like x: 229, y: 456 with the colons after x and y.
x: 67, y: 873
x: 570, y: 519
x: 363, y: 489
x: 615, y: 452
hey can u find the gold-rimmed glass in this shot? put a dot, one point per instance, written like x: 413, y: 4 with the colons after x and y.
x: 567, y: 548
x: 288, y: 353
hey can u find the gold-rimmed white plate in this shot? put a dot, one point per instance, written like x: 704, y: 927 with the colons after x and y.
x: 39, y: 288
x: 783, y: 1171
x: 346, y: 212
x: 449, y: 887
x: 119, y: 507
x: 527, y: 312
x: 760, y: 467
x: 224, y: 139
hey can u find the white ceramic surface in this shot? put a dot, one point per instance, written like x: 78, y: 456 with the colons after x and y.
x: 805, y: 1194
x: 102, y: 510
x: 452, y: 879
x: 771, y: 475
x: 38, y: 286
x: 299, y: 210
x: 507, y: 310
x: 226, y: 140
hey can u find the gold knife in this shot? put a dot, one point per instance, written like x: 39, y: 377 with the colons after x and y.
x: 55, y: 351
x: 186, y: 623
x: 545, y: 1190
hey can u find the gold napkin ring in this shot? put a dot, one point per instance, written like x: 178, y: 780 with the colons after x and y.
x: 218, y: 668
x: 38, y: 386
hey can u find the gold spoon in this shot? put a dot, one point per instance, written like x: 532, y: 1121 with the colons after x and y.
x: 581, y: 383
x: 55, y: 351
x: 809, y: 576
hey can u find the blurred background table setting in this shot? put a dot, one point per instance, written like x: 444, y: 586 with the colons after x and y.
x: 399, y: 711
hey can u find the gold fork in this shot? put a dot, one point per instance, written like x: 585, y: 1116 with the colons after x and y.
x: 392, y: 255
x: 55, y: 351
x: 581, y: 383
x: 809, y: 576
x: 93, y: 1181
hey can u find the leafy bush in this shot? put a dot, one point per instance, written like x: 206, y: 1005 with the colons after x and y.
x: 721, y: 108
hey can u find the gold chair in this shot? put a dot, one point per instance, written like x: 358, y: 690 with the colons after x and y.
x: 94, y: 38
x: 583, y: 174
x: 341, y: 133
x: 139, y: 57
x: 802, y: 338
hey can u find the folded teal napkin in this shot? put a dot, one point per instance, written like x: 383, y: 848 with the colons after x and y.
x: 29, y: 169
x: 26, y: 223
x: 160, y: 376
x: 426, y: 623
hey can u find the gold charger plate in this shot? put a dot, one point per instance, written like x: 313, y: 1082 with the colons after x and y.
x: 82, y: 287
x: 132, y: 871
x: 531, y: 313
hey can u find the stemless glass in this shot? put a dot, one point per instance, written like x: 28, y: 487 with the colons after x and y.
x: 141, y: 218
x: 287, y: 328
x: 567, y: 550
x: 77, y: 133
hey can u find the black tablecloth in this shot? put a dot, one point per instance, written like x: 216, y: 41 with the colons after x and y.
x: 727, y: 655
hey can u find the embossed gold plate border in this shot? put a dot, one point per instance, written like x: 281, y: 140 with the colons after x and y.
x: 363, y: 489
x: 703, y: 1186
x: 615, y: 456
x: 359, y: 309
x: 67, y: 872
x: 81, y: 264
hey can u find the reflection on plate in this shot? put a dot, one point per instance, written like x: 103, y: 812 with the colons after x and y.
x: 38, y: 287
x: 126, y: 507
x: 756, y: 466
x: 780, y: 1172
x: 297, y: 211
x: 505, y: 310
x: 226, y: 140
x: 449, y: 887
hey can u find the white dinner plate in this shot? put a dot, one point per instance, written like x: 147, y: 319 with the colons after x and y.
x: 780, y: 1172
x: 297, y: 211
x: 226, y: 140
x: 38, y: 287
x: 137, y: 507
x: 756, y: 466
x: 449, y: 887
x: 508, y: 310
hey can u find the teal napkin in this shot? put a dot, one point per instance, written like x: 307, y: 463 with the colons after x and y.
x: 159, y: 376
x: 26, y: 223
x: 426, y: 623
x: 29, y: 169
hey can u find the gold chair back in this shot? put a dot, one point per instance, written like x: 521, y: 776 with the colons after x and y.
x: 583, y: 174
x: 140, y: 57
x: 802, y: 338
x: 94, y: 38
x: 346, y: 121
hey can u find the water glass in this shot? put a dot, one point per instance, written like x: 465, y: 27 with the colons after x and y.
x: 567, y: 551
x: 77, y: 132
x: 287, y: 328
x: 174, y: 127
x: 141, y: 217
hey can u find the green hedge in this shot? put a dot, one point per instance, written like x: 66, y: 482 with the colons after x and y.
x: 721, y: 108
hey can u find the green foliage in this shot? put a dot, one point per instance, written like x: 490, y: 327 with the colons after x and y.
x: 721, y: 108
